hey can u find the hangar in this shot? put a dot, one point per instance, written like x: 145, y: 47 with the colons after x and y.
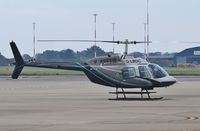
x: 188, y: 57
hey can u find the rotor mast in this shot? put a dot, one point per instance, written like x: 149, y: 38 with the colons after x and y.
x: 126, y: 47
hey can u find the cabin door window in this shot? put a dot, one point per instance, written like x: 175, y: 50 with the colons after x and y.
x: 144, y: 73
x: 128, y: 73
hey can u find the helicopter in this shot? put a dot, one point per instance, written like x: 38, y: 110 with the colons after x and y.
x: 115, y: 70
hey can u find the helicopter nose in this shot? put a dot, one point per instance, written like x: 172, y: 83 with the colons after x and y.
x: 169, y: 80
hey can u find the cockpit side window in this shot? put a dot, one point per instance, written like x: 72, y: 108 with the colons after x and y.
x: 128, y: 72
x: 144, y: 73
x: 157, y: 71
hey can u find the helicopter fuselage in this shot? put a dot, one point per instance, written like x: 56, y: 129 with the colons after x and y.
x: 126, y: 72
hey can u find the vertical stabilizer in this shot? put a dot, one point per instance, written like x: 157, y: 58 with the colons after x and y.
x: 19, y: 62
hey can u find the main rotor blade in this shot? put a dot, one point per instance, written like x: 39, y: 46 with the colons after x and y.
x: 139, y: 42
x: 79, y: 41
x: 117, y: 42
x: 195, y: 42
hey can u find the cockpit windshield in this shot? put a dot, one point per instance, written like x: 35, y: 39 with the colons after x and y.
x: 157, y: 71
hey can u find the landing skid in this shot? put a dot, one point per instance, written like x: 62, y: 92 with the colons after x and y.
x: 123, y: 93
x: 136, y: 99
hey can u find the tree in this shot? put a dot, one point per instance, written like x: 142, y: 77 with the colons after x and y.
x: 67, y: 54
x: 3, y: 60
x: 26, y: 57
x: 49, y: 55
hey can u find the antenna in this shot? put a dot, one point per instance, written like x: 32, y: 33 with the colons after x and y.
x: 34, y: 40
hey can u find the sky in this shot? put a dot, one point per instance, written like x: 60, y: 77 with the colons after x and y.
x: 172, y: 23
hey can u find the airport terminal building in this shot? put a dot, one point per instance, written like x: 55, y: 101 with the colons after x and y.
x: 188, y: 57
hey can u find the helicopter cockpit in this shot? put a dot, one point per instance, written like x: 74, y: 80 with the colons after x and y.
x: 148, y: 71
x: 157, y: 71
x: 145, y: 71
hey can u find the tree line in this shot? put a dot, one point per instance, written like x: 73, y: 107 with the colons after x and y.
x: 68, y: 55
x: 60, y: 56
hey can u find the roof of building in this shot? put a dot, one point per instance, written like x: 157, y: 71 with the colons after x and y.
x: 189, y: 52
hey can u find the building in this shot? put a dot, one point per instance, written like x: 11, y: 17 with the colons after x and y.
x: 164, y: 61
x: 188, y: 57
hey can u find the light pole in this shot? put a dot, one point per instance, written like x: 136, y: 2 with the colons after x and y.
x: 147, y: 28
x: 34, y: 40
x: 113, y: 28
x: 145, y: 39
x: 95, y: 33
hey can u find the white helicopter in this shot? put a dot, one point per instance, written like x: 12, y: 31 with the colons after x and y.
x: 116, y: 71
